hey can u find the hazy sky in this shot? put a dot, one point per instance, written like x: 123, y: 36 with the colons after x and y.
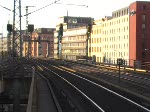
x: 48, y: 17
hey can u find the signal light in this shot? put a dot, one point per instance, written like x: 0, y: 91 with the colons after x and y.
x: 61, y: 29
x: 89, y: 28
x: 30, y: 28
x: 9, y: 27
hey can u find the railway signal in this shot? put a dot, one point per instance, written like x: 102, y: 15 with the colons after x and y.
x: 120, y: 62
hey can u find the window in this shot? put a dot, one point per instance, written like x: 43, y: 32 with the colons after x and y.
x: 143, y: 18
x: 143, y: 36
x: 143, y: 54
x: 143, y: 27
x: 97, y: 40
x: 97, y: 49
x: 144, y: 7
x: 127, y: 11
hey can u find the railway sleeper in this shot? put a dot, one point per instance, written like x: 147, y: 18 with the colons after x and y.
x: 65, y: 102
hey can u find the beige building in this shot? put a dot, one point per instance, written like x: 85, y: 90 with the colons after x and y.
x: 74, y: 39
x: 74, y: 43
x: 110, y: 37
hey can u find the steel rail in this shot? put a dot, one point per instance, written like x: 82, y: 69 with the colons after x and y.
x: 75, y: 88
x: 117, y: 94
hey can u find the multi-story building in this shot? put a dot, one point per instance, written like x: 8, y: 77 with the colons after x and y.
x: 73, y: 42
x: 44, y: 42
x: 74, y: 22
x: 139, y: 31
x: 3, y: 47
x: 110, y: 37
x: 3, y: 44
x: 123, y: 35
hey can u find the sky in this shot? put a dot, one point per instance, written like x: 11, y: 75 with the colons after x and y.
x: 48, y: 17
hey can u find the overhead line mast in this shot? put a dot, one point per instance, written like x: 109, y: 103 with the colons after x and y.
x: 17, y: 40
x: 27, y: 51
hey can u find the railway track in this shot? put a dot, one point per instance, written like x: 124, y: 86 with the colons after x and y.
x: 97, y: 97
x: 139, y: 79
x: 136, y: 84
x: 125, y: 75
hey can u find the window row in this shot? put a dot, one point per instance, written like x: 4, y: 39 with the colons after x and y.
x: 83, y: 37
x: 116, y: 46
x: 113, y: 31
x: 81, y: 44
x: 119, y: 21
x: 114, y: 39
x: 96, y: 40
x: 75, y: 51
x: 120, y: 13
x: 116, y: 54
x: 96, y: 49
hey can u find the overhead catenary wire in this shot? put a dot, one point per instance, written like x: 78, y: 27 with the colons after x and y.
x: 74, y: 4
x: 42, y: 7
x: 6, y: 8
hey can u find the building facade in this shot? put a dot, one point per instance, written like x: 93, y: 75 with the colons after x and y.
x: 43, y: 44
x: 139, y: 31
x: 73, y: 42
x: 110, y: 37
x: 3, y: 46
x: 123, y: 35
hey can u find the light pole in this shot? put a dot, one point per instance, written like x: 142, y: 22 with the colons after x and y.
x: 121, y: 57
x: 1, y: 46
x: 146, y: 51
x: 120, y: 61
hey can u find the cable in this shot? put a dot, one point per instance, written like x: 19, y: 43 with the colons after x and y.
x: 6, y: 8
x: 42, y: 7
x: 74, y: 4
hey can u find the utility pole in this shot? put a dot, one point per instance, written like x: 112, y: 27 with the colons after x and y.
x: 2, y: 44
x: 17, y: 40
x: 27, y: 44
x: 60, y: 34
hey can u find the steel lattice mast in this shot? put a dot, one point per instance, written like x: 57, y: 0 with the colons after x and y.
x: 17, y: 40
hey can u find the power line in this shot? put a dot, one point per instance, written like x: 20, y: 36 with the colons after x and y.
x: 42, y: 7
x: 74, y: 4
x: 6, y: 8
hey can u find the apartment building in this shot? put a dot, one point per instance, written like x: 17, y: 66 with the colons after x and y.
x: 110, y: 37
x: 123, y: 35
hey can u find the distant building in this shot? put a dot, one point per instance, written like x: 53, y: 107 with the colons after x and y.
x: 74, y: 43
x: 3, y: 47
x: 74, y: 37
x: 42, y: 47
x: 71, y: 22
x: 3, y: 44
